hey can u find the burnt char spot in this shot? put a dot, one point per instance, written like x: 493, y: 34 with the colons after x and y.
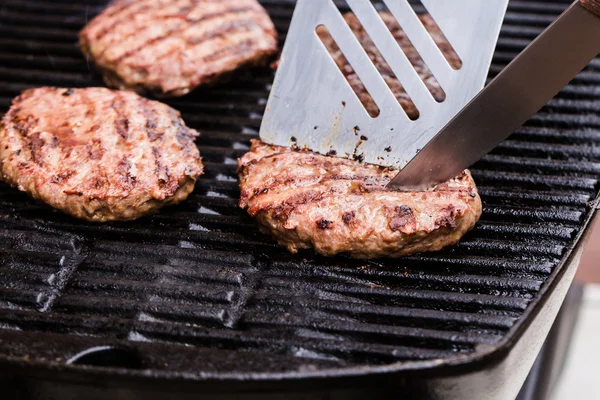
x: 388, y: 149
x: 152, y: 129
x: 331, y: 153
x: 95, y: 149
x: 58, y: 178
x: 324, y: 224
x: 162, y: 172
x: 259, y: 191
x: 68, y: 92
x: 348, y: 216
x: 293, y: 139
x: 122, y: 127
x: 403, y: 220
x: 363, y: 137
x: 447, y: 218
x: 98, y: 182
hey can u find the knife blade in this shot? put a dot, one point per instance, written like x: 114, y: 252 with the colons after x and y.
x: 522, y: 88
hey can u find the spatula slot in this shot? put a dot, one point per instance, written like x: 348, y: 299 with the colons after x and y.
x: 438, y: 36
x: 351, y: 77
x: 378, y: 61
x: 411, y: 52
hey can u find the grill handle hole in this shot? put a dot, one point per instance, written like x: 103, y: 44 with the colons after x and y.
x: 107, y: 356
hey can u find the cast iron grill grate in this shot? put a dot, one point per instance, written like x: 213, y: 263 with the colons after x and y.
x: 201, y: 275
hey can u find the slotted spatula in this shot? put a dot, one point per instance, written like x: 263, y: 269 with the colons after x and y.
x: 312, y: 106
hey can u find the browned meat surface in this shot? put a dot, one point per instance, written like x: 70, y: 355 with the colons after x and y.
x: 385, y: 70
x: 98, y: 154
x: 170, y: 47
x: 306, y: 200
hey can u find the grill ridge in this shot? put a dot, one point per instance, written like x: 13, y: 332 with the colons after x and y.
x: 201, y: 274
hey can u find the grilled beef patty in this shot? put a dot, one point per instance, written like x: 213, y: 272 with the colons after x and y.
x: 383, y: 68
x: 306, y: 200
x: 98, y: 154
x: 171, y: 47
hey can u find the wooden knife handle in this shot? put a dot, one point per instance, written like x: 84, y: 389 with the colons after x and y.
x: 592, y: 5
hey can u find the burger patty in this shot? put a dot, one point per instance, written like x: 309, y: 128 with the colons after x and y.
x: 170, y: 47
x: 384, y: 69
x: 306, y: 200
x: 96, y: 153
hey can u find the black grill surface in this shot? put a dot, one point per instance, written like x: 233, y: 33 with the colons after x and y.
x: 199, y: 281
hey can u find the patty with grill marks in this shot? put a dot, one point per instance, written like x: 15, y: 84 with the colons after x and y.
x: 96, y: 153
x: 334, y: 205
x: 384, y: 69
x: 170, y: 47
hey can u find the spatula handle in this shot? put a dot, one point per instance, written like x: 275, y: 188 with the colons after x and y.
x: 592, y: 5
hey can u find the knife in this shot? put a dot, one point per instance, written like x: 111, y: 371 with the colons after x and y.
x: 521, y: 89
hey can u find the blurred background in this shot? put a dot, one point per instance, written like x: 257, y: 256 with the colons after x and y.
x: 579, y: 378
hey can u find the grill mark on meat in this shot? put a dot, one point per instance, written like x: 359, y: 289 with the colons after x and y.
x: 187, y: 9
x: 122, y: 127
x: 126, y: 19
x: 361, y: 183
x: 239, y: 48
x: 35, y: 145
x: 152, y: 130
x: 95, y: 149
x: 161, y: 171
x: 229, y: 28
x: 218, y: 31
x: 283, y: 210
x: 124, y: 171
x: 119, y: 17
x: 403, y: 220
x: 121, y: 123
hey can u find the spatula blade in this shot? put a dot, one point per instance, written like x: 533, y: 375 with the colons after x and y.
x: 312, y: 106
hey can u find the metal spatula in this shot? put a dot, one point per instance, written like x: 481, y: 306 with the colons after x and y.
x: 312, y: 106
